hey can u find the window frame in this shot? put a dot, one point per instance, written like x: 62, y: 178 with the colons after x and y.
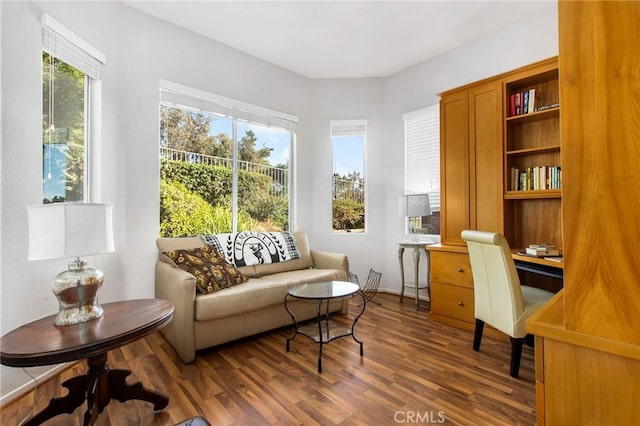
x: 177, y: 95
x: 66, y: 46
x: 353, y: 127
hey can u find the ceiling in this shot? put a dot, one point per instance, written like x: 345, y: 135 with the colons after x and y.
x: 344, y: 39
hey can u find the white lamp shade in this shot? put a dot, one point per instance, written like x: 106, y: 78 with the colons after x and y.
x: 61, y: 230
x: 415, y: 205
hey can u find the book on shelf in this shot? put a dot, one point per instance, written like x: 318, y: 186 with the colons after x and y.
x: 549, y: 106
x: 542, y: 250
x: 522, y: 102
x: 536, y: 178
x: 532, y: 100
x: 553, y: 258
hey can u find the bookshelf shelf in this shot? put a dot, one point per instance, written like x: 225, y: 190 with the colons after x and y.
x: 528, y: 151
x: 531, y: 194
x: 535, y: 116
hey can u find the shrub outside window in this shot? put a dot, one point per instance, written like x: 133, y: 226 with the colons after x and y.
x: 348, y: 140
x: 220, y: 173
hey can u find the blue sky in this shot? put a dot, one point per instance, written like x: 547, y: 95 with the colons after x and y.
x: 348, y: 151
x: 348, y: 155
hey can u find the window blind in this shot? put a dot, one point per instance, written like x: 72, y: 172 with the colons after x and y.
x: 177, y: 95
x: 422, y: 153
x: 348, y: 128
x: 60, y: 42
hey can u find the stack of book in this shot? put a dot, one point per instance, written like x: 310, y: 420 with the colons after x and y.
x: 542, y: 250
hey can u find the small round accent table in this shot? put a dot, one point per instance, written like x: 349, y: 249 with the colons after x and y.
x: 42, y: 343
x: 324, y: 329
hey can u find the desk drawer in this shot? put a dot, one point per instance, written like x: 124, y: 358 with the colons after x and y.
x: 451, y: 268
x: 452, y: 301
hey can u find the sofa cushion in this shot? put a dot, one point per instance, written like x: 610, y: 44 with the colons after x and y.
x: 259, y: 293
x: 211, y: 271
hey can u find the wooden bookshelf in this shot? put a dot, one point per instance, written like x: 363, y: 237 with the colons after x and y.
x: 532, y: 145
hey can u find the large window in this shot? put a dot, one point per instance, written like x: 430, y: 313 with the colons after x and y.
x: 225, y: 165
x: 422, y: 164
x: 70, y: 74
x: 348, y: 139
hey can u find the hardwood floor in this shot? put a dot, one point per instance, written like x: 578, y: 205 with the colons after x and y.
x: 414, y: 371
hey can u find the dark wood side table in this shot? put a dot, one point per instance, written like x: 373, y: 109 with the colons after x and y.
x: 42, y: 343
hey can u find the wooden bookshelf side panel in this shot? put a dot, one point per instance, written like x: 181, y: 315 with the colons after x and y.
x: 533, y: 222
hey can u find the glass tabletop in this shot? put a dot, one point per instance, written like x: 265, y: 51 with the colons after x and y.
x: 324, y: 290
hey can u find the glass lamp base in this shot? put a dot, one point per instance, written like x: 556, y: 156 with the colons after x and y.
x: 77, y: 292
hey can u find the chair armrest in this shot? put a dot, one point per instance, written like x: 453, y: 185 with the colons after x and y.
x: 178, y: 287
x: 330, y: 260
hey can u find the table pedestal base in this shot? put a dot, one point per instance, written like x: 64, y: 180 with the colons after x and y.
x: 98, y: 387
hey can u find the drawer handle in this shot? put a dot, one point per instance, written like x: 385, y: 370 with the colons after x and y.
x: 460, y: 270
x: 460, y: 303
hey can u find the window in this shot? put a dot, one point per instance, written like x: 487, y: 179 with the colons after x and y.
x: 225, y: 165
x: 348, y: 138
x: 70, y: 89
x: 422, y: 162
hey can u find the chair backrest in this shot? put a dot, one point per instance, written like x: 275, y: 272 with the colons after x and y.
x: 497, y: 291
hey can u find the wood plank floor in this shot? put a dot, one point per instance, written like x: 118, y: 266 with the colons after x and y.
x: 414, y: 371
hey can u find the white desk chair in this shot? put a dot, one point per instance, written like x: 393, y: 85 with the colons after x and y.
x: 500, y: 300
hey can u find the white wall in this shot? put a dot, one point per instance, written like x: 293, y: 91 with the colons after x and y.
x: 142, y: 50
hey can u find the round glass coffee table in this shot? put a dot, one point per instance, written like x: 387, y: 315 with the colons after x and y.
x: 323, y: 329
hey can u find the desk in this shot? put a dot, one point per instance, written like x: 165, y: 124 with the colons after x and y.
x: 416, y: 246
x: 42, y: 343
x: 538, y: 265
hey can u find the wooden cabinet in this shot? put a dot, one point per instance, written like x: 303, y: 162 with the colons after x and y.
x: 479, y: 144
x: 452, y: 299
x: 588, y: 337
x: 471, y: 192
x: 451, y: 287
x: 471, y: 160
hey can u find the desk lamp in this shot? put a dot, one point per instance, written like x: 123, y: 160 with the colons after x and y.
x: 414, y: 206
x: 67, y: 230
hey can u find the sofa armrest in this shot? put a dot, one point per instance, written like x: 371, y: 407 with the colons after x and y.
x: 330, y: 260
x: 178, y: 287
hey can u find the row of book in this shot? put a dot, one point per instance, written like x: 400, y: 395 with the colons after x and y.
x: 522, y: 102
x: 536, y: 178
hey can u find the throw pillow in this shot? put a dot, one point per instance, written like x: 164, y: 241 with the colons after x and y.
x: 254, y: 248
x: 211, y: 271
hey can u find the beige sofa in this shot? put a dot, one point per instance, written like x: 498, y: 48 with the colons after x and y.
x: 204, y: 320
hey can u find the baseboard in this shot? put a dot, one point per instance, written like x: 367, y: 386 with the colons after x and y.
x: 20, y: 391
